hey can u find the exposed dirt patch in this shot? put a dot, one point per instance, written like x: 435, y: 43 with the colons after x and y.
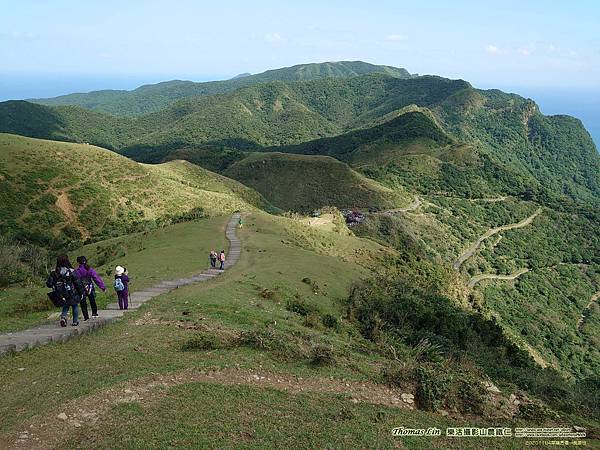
x: 63, y: 202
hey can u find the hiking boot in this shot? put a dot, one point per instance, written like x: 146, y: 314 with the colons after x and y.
x: 75, y: 324
x: 94, y: 315
x: 63, y: 322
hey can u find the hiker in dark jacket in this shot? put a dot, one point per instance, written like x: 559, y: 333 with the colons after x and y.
x: 121, y: 285
x: 88, y: 277
x: 67, y: 289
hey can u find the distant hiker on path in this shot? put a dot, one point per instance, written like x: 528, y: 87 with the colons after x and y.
x: 121, y: 285
x: 88, y: 277
x: 240, y: 222
x: 213, y: 259
x: 222, y: 260
x: 67, y: 289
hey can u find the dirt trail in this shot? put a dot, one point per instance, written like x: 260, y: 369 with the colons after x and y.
x: 492, y: 231
x: 414, y: 205
x: 594, y: 299
x: 489, y: 200
x: 488, y: 276
x: 49, y: 431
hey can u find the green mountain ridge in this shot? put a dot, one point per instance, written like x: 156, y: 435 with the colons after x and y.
x: 150, y: 98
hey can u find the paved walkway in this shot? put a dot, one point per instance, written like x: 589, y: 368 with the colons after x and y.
x: 44, y: 334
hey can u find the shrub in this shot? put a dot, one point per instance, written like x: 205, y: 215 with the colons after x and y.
x: 471, y: 395
x: 300, y: 307
x: 312, y: 320
x: 322, y: 355
x: 536, y: 411
x: 282, y: 346
x: 20, y: 262
x: 330, y: 321
x: 433, y: 384
x: 398, y: 374
x: 201, y: 342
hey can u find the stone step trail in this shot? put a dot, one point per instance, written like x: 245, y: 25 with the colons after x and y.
x: 45, y: 334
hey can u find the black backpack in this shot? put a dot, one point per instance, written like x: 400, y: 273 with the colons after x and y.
x: 67, y: 288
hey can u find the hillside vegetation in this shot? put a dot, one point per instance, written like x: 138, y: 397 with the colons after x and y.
x: 305, y: 183
x: 53, y: 192
x: 150, y: 98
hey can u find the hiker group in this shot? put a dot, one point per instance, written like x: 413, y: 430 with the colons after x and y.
x: 214, y: 257
x: 72, y: 288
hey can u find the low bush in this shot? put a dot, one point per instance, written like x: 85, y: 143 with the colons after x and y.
x: 202, y: 342
x: 282, y: 346
x: 322, y: 354
x: 330, y: 321
x: 300, y: 307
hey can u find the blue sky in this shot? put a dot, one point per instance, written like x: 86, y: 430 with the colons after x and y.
x: 506, y: 43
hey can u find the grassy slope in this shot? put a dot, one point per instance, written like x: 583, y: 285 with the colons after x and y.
x: 84, y: 191
x: 305, y: 183
x: 151, y: 98
x: 250, y: 298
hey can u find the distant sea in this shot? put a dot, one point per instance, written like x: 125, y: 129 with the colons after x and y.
x: 23, y: 86
x: 583, y: 104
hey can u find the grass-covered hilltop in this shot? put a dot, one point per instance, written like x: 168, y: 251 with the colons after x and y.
x: 415, y: 252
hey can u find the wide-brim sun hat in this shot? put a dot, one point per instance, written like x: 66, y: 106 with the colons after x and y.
x: 119, y: 270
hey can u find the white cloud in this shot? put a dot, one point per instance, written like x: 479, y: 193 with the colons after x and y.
x: 396, y: 37
x: 493, y: 50
x: 272, y: 37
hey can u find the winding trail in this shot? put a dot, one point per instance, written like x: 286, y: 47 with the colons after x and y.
x: 492, y: 231
x: 414, y: 205
x: 45, y: 334
x: 489, y: 276
x: 581, y: 321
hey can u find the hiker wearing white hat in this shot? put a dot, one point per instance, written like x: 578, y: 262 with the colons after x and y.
x: 121, y: 285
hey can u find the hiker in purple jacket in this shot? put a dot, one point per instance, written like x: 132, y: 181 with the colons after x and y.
x: 121, y: 285
x: 89, y: 276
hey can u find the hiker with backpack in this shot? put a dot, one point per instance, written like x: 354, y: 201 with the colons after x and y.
x: 88, y: 277
x: 121, y: 285
x: 222, y: 260
x: 213, y: 259
x: 67, y: 289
